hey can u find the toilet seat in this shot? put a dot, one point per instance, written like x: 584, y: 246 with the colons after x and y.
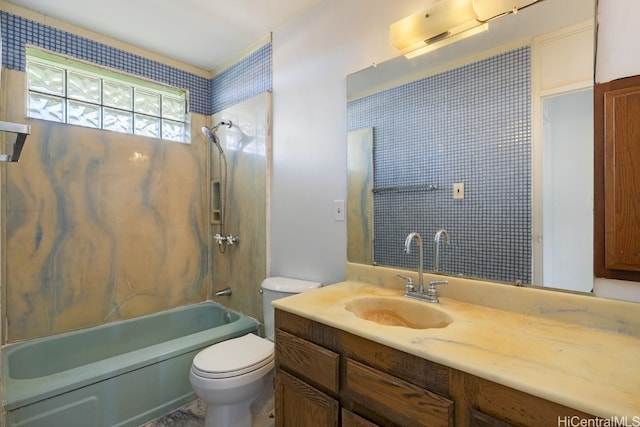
x: 233, y: 357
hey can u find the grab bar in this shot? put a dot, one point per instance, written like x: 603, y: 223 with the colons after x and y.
x: 425, y: 187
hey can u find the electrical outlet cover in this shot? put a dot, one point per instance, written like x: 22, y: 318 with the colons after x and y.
x: 458, y: 190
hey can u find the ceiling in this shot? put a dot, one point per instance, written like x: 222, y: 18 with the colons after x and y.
x: 202, y: 33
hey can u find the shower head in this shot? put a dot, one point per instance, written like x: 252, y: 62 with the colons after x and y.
x: 210, y: 134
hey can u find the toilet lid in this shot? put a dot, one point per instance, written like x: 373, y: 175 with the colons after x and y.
x: 233, y: 357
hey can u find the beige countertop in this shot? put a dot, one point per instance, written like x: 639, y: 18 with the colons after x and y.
x: 593, y: 370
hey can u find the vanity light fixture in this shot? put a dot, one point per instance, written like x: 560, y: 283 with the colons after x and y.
x: 445, y: 22
x: 452, y: 36
x: 448, y: 21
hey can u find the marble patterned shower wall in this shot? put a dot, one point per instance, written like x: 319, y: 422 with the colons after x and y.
x: 99, y: 226
x: 247, y: 146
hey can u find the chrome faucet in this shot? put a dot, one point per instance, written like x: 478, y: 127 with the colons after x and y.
x: 407, y: 250
x: 431, y: 295
x: 436, y: 239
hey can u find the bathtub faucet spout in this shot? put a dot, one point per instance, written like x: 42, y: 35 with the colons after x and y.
x: 223, y: 292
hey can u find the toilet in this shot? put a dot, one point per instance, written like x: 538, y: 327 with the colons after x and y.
x: 229, y: 376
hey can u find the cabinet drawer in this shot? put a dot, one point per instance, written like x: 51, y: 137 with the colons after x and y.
x: 349, y: 419
x: 316, y: 365
x: 480, y: 419
x: 400, y: 402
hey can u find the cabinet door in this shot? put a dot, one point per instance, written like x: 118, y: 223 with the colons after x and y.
x: 617, y: 181
x: 298, y: 404
x: 622, y: 180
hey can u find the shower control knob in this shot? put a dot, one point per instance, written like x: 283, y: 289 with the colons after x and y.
x: 226, y: 240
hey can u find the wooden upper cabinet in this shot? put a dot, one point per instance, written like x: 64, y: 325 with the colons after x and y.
x: 617, y: 179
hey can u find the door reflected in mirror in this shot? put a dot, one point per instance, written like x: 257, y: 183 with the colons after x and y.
x: 567, y: 191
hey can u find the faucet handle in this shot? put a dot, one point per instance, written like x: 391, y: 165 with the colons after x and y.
x: 432, y: 293
x: 437, y: 282
x: 409, y: 284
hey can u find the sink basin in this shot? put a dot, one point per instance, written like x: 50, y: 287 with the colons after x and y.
x: 393, y: 311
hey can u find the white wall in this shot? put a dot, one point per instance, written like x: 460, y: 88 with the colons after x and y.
x: 312, y: 56
x: 617, y: 54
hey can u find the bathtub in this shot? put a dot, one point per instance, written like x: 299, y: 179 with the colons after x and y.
x: 119, y: 374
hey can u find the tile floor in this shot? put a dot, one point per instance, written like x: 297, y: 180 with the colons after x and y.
x: 192, y: 415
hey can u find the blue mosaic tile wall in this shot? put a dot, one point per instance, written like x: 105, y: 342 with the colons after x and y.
x: 471, y: 125
x: 245, y: 79
x: 241, y: 81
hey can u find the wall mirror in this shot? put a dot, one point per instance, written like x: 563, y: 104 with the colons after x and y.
x: 489, y: 138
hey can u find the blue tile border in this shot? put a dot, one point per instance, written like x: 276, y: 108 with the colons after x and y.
x: 247, y: 78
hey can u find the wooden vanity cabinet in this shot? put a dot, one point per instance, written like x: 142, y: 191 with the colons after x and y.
x: 328, y: 377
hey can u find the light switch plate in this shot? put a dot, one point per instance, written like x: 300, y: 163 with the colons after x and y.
x: 338, y: 210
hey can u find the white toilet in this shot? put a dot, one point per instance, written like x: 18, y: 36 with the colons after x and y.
x: 230, y: 375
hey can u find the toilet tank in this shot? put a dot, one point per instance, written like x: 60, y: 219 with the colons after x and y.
x: 274, y: 288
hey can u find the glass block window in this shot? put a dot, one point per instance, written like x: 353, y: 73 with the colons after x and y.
x: 69, y: 91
